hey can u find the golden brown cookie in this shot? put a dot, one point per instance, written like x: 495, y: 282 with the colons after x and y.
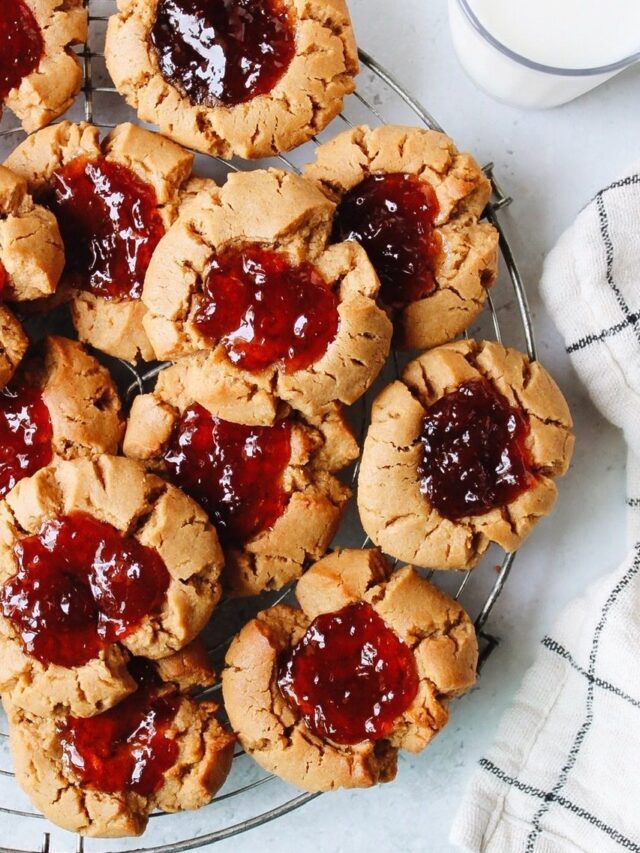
x: 42, y: 75
x: 412, y: 649
x: 13, y: 344
x: 462, y: 451
x: 269, y: 490
x: 129, y: 565
x: 31, y: 250
x: 179, y: 746
x: 245, y: 285
x: 413, y: 201
x: 209, y: 83
x: 63, y: 403
x: 114, y: 201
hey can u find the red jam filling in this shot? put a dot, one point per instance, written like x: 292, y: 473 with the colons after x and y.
x: 350, y: 676
x: 126, y: 748
x: 80, y: 585
x: 25, y: 434
x: 235, y: 472
x: 267, y: 311
x: 110, y: 225
x: 21, y: 45
x: 223, y: 51
x: 4, y: 278
x: 474, y: 453
x: 392, y: 216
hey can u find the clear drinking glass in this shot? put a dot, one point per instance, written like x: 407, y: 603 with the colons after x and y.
x: 514, y: 79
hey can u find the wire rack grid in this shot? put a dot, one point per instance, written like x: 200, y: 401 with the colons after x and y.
x: 379, y: 99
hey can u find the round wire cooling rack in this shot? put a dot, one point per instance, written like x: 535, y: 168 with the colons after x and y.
x: 252, y: 797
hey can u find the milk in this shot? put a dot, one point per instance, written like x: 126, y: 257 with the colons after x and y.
x: 577, y: 45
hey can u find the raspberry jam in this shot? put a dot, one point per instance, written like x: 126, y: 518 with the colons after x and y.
x: 21, y: 45
x: 266, y: 311
x: 392, y: 216
x: 474, y: 455
x: 4, y: 278
x: 25, y: 434
x: 223, y: 51
x: 126, y: 748
x: 110, y: 225
x: 235, y: 472
x: 80, y: 585
x: 350, y: 676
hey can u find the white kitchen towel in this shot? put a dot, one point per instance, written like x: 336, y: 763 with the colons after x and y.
x: 564, y: 771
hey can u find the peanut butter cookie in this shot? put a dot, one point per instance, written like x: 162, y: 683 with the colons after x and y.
x: 62, y: 403
x: 103, y: 776
x: 98, y: 561
x: 40, y: 75
x: 412, y: 200
x: 248, y: 78
x: 31, y: 250
x: 269, y: 490
x: 13, y: 344
x: 325, y: 696
x: 114, y: 201
x: 245, y: 285
x: 462, y: 451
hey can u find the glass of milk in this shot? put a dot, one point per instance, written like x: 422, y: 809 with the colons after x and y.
x: 542, y: 53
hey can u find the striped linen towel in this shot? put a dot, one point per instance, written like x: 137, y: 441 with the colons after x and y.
x: 564, y: 771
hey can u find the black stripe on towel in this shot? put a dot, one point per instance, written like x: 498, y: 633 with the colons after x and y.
x: 583, y: 343
x: 539, y: 794
x: 581, y: 734
x: 608, y: 245
x: 629, y: 181
x: 554, y: 646
x: 630, y: 318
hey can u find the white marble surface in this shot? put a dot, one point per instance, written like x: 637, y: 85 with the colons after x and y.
x: 551, y: 163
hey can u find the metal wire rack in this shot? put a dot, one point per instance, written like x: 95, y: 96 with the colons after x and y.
x: 238, y: 808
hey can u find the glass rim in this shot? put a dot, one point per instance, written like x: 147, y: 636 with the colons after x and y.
x: 539, y: 66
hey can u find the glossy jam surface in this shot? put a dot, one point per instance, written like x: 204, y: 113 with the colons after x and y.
x: 474, y: 454
x: 235, y: 472
x: 350, y: 676
x: 125, y: 748
x: 25, y: 434
x: 21, y: 45
x: 4, y: 278
x: 392, y: 216
x: 80, y: 585
x: 110, y: 226
x: 223, y: 51
x: 267, y: 311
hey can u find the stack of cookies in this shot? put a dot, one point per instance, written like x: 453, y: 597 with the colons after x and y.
x: 270, y: 304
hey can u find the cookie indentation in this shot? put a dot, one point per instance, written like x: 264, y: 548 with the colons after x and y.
x: 267, y: 311
x: 493, y: 453
x: 110, y: 225
x: 81, y: 584
x: 26, y: 434
x: 220, y: 51
x: 414, y: 201
x: 126, y: 748
x: 392, y: 217
x: 21, y: 45
x: 235, y: 472
x: 474, y: 454
x: 350, y: 676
